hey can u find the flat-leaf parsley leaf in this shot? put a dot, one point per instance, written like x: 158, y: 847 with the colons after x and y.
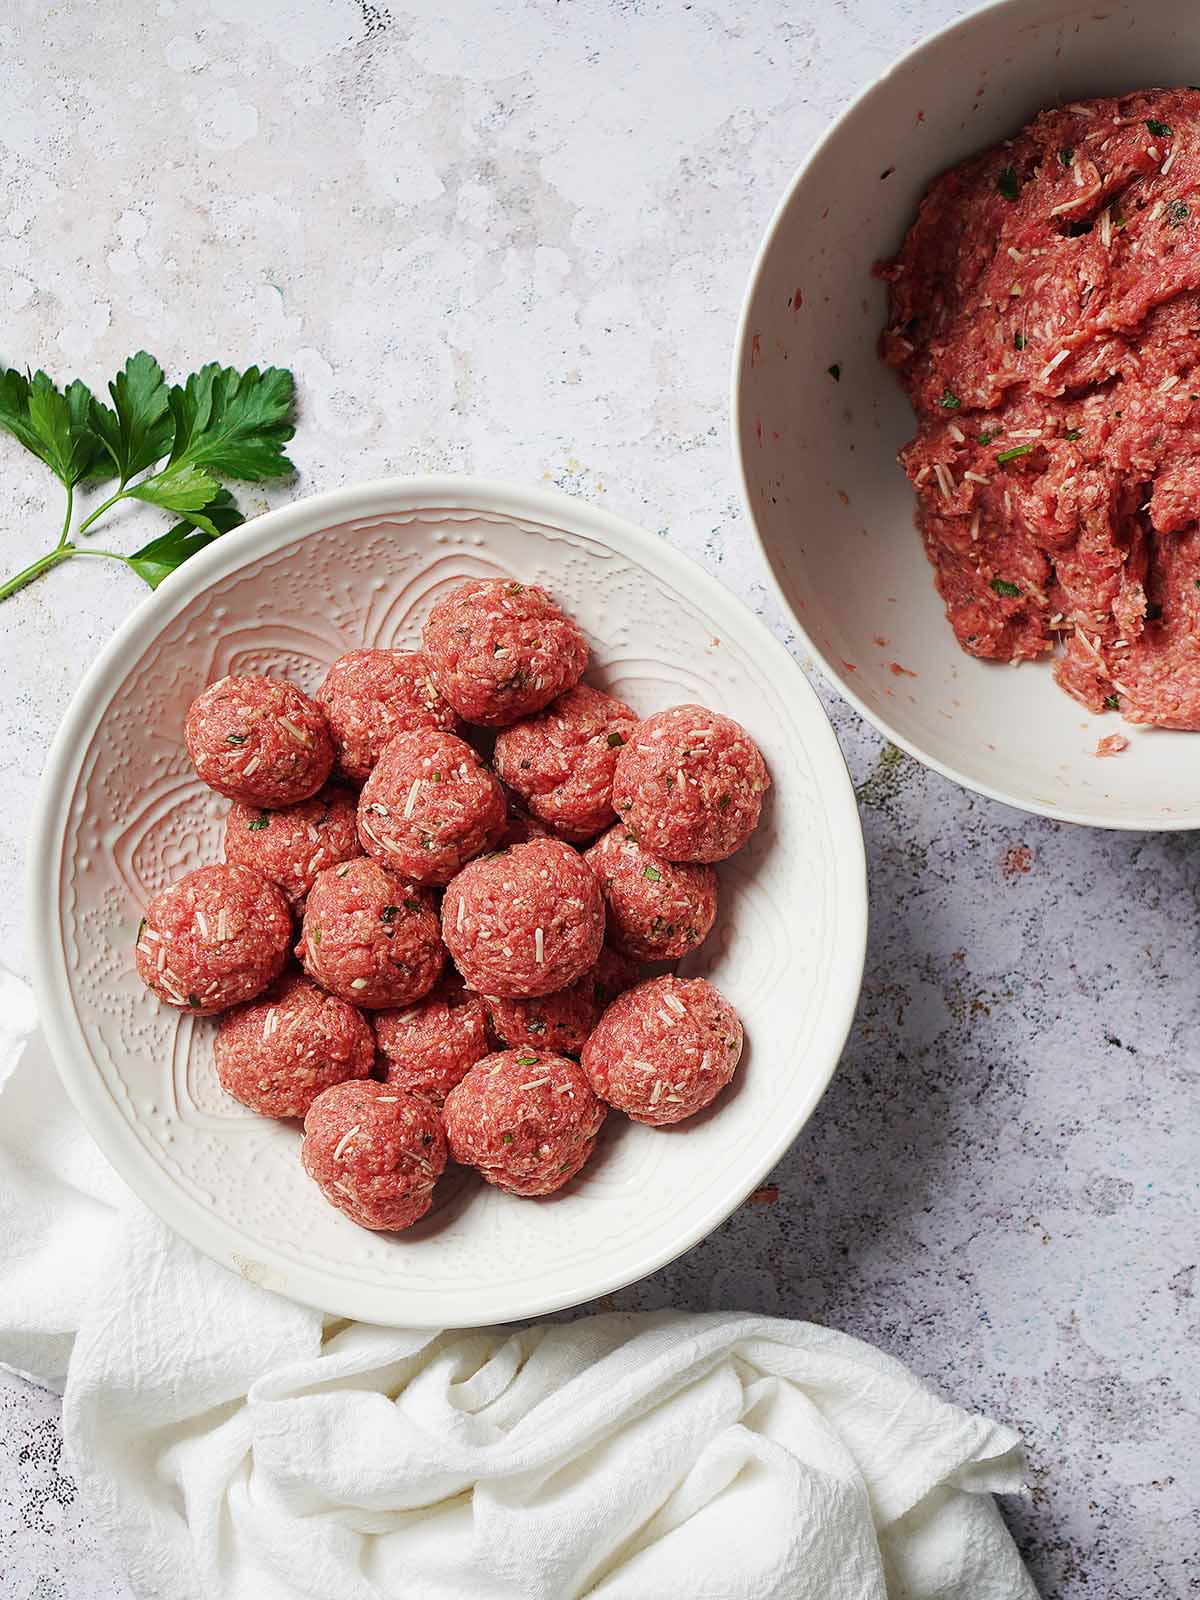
x: 220, y: 423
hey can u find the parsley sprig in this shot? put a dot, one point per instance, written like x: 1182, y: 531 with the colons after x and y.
x: 167, y: 446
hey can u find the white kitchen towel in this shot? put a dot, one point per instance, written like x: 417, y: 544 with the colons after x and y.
x: 232, y: 1446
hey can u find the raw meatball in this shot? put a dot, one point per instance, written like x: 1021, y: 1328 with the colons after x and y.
x: 656, y: 910
x: 290, y: 846
x: 663, y: 1051
x: 370, y: 696
x: 561, y: 763
x: 429, y: 1047
x: 563, y: 1021
x: 259, y: 740
x: 690, y: 784
x: 499, y: 650
x: 429, y: 807
x: 527, y: 1119
x: 277, y: 1054
x: 213, y: 939
x: 370, y: 937
x: 374, y: 1152
x: 529, y: 921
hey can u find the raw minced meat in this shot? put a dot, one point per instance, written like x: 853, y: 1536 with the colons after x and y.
x: 527, y: 1119
x: 664, y: 1050
x: 213, y: 939
x: 430, y: 1046
x: 562, y: 1022
x: 279, y: 1052
x: 526, y: 922
x: 655, y: 910
x: 561, y: 762
x: 370, y: 936
x: 375, y: 1153
x: 690, y: 784
x: 1045, y: 321
x: 259, y: 740
x: 429, y: 806
x: 291, y: 845
x: 500, y: 650
x: 369, y: 696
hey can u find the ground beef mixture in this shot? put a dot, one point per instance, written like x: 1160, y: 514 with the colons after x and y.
x: 1045, y: 321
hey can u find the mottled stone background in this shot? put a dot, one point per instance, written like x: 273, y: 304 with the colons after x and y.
x: 512, y: 238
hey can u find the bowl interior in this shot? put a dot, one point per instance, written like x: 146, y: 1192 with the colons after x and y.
x: 123, y: 814
x: 832, y: 507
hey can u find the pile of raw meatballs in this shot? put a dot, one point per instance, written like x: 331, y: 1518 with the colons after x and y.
x: 545, y: 938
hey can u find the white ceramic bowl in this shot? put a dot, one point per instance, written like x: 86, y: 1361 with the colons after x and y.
x: 121, y: 814
x: 832, y: 508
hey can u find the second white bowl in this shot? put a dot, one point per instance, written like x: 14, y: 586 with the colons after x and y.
x: 832, y: 508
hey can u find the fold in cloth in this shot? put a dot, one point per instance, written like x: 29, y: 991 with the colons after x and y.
x: 233, y: 1446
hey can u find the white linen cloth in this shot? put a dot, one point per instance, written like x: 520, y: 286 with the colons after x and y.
x: 233, y: 1446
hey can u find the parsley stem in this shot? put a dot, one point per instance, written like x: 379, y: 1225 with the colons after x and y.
x: 121, y: 494
x: 52, y: 558
x: 66, y: 527
x: 63, y: 552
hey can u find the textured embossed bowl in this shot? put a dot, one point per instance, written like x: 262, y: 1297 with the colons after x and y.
x: 121, y: 813
x: 833, y: 511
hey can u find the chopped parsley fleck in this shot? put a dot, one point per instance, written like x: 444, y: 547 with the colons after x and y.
x: 652, y: 873
x: 1072, y: 434
x: 194, y: 1001
x: 615, y: 740
x: 536, y: 1025
x: 527, y: 1061
x: 1011, y: 455
x: 506, y: 1138
x: 262, y: 820
x: 985, y: 437
x: 435, y: 777
x: 1002, y: 587
x: 670, y: 783
x: 1177, y: 212
x: 1066, y: 155
x: 235, y: 738
x: 1153, y: 611
x: 525, y: 765
x: 142, y: 923
x: 835, y: 372
x: 1018, y: 341
x: 723, y: 803
x: 632, y: 837
x: 1160, y: 130
x: 949, y: 400
x: 412, y: 905
x: 1007, y: 183
x: 516, y: 588
x: 1111, y: 703
x: 388, y: 913
x: 1196, y: 583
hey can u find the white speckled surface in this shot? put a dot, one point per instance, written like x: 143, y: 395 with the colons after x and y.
x: 516, y: 244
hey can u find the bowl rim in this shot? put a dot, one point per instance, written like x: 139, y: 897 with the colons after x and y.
x: 1152, y: 823
x: 299, y: 519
